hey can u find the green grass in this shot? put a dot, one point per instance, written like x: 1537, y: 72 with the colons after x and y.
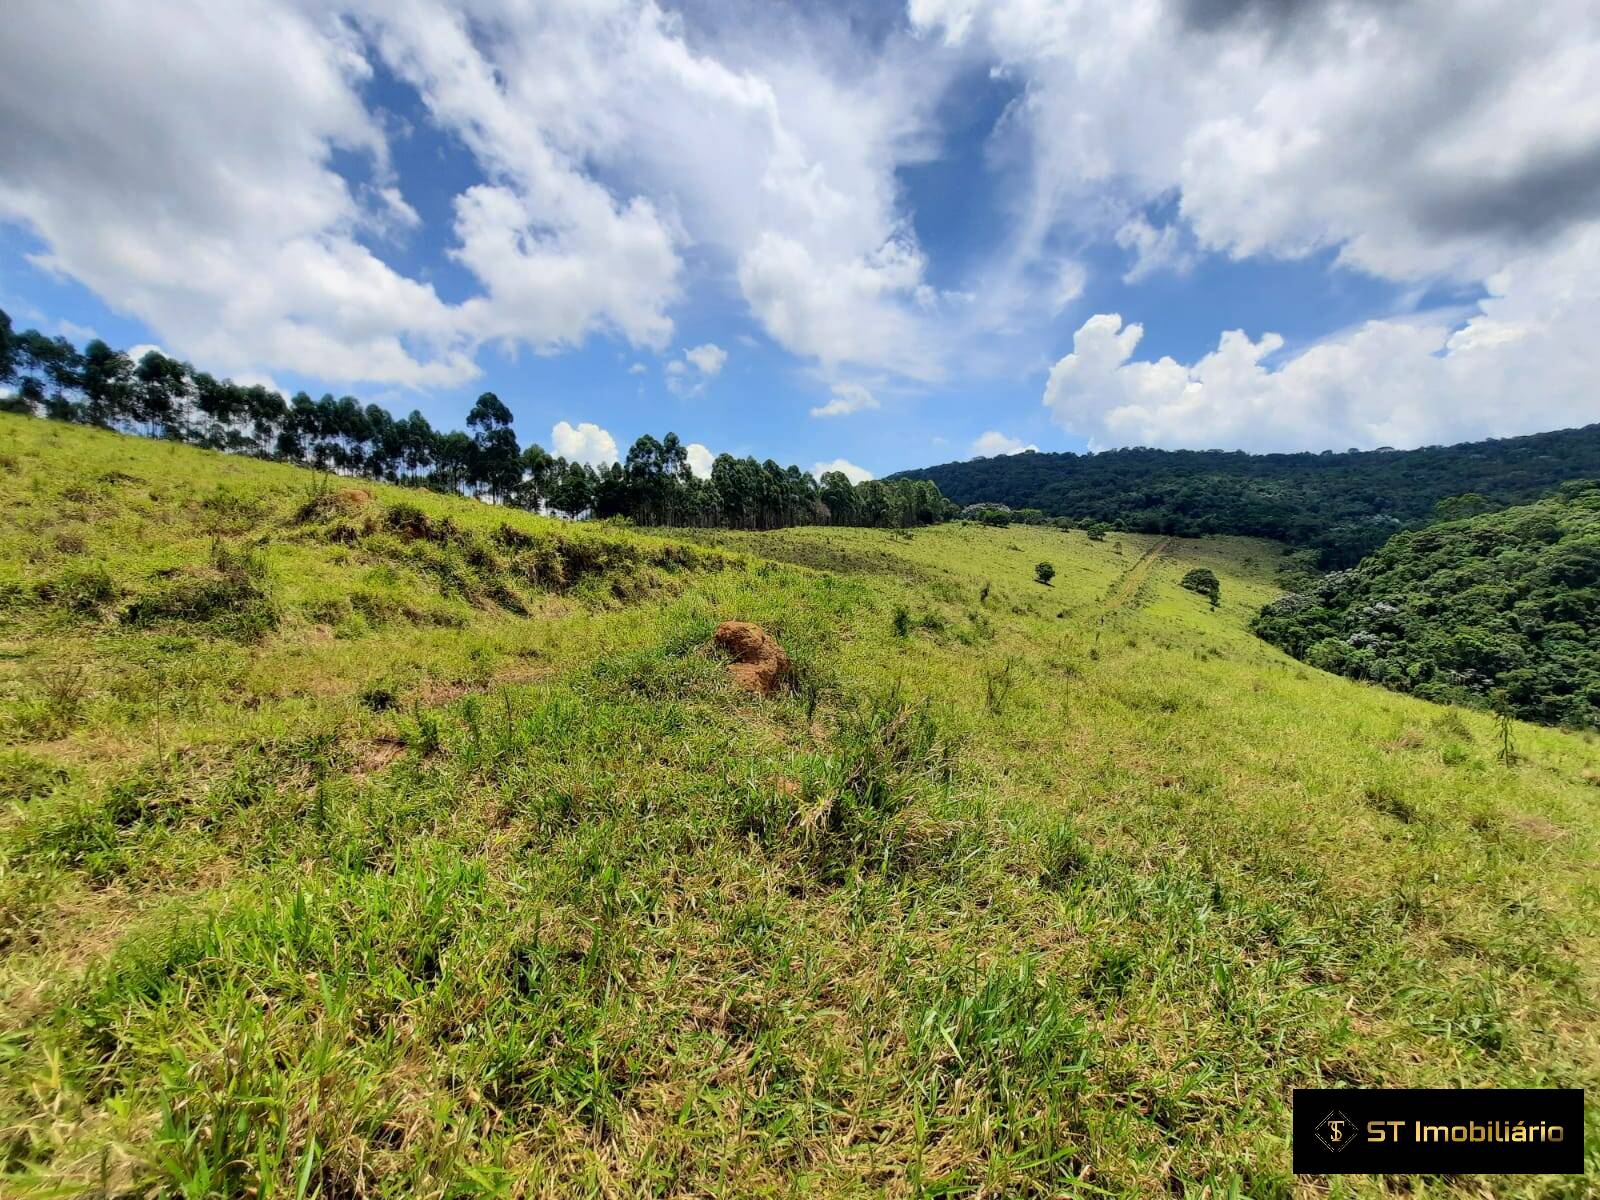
x: 366, y: 843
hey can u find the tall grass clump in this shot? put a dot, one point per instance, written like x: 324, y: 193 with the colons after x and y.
x: 851, y: 809
x: 231, y: 594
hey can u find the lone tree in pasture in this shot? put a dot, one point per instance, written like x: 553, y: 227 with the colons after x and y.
x: 1044, y: 573
x: 1204, y: 581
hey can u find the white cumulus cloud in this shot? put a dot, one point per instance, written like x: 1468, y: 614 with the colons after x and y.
x: 1416, y: 138
x: 585, y: 442
x: 222, y: 172
x: 201, y: 195
x: 993, y: 442
x: 847, y: 398
x: 1153, y: 249
x: 851, y: 472
x: 135, y: 353
x: 198, y: 195
x: 705, y: 362
x: 707, y: 359
x: 700, y: 460
x: 1522, y: 359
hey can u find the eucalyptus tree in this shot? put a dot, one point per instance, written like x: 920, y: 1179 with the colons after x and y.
x: 537, y: 475
x: 8, y: 349
x: 161, y: 391
x: 51, y: 371
x: 572, y: 489
x: 496, y: 464
x: 417, y: 443
x: 107, y: 384
x: 383, y: 443
x: 839, y: 495
x: 453, y: 457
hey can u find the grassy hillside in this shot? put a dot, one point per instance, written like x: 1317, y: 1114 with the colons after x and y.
x: 367, y: 843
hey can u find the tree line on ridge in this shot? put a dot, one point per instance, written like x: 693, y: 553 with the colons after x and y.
x: 161, y: 397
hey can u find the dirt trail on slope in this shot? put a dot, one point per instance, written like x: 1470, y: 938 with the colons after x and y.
x: 1135, y: 576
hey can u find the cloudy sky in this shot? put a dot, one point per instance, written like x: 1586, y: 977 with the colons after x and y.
x: 867, y: 234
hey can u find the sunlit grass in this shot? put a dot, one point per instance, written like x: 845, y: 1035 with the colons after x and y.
x: 464, y: 875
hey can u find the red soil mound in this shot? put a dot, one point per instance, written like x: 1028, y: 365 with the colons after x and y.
x: 759, y: 663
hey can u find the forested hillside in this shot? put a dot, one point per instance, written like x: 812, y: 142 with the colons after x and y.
x: 1344, y: 506
x: 1500, y: 610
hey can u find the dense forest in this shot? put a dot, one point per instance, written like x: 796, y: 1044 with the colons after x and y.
x: 1501, y: 610
x: 162, y: 397
x: 1344, y: 506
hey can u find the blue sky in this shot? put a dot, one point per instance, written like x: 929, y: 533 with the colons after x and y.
x: 879, y: 234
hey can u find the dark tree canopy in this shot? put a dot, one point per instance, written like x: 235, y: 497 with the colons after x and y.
x: 8, y: 350
x: 1204, y: 581
x: 489, y: 411
x: 1501, y: 610
x: 1343, y: 506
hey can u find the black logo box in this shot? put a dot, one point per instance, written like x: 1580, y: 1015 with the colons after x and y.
x: 1360, y: 1131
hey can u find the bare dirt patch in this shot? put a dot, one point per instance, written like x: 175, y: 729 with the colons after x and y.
x: 759, y: 663
x: 378, y: 754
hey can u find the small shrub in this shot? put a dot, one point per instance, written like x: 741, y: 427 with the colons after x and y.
x: 1044, y: 572
x: 902, y: 621
x: 1203, y: 581
x: 55, y: 707
x: 1506, y: 754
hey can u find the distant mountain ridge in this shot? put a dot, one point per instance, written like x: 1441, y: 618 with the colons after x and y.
x: 1341, y: 504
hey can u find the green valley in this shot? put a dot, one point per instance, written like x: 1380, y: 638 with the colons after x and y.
x: 360, y: 840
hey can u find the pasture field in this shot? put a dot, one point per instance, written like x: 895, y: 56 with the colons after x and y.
x: 358, y: 841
